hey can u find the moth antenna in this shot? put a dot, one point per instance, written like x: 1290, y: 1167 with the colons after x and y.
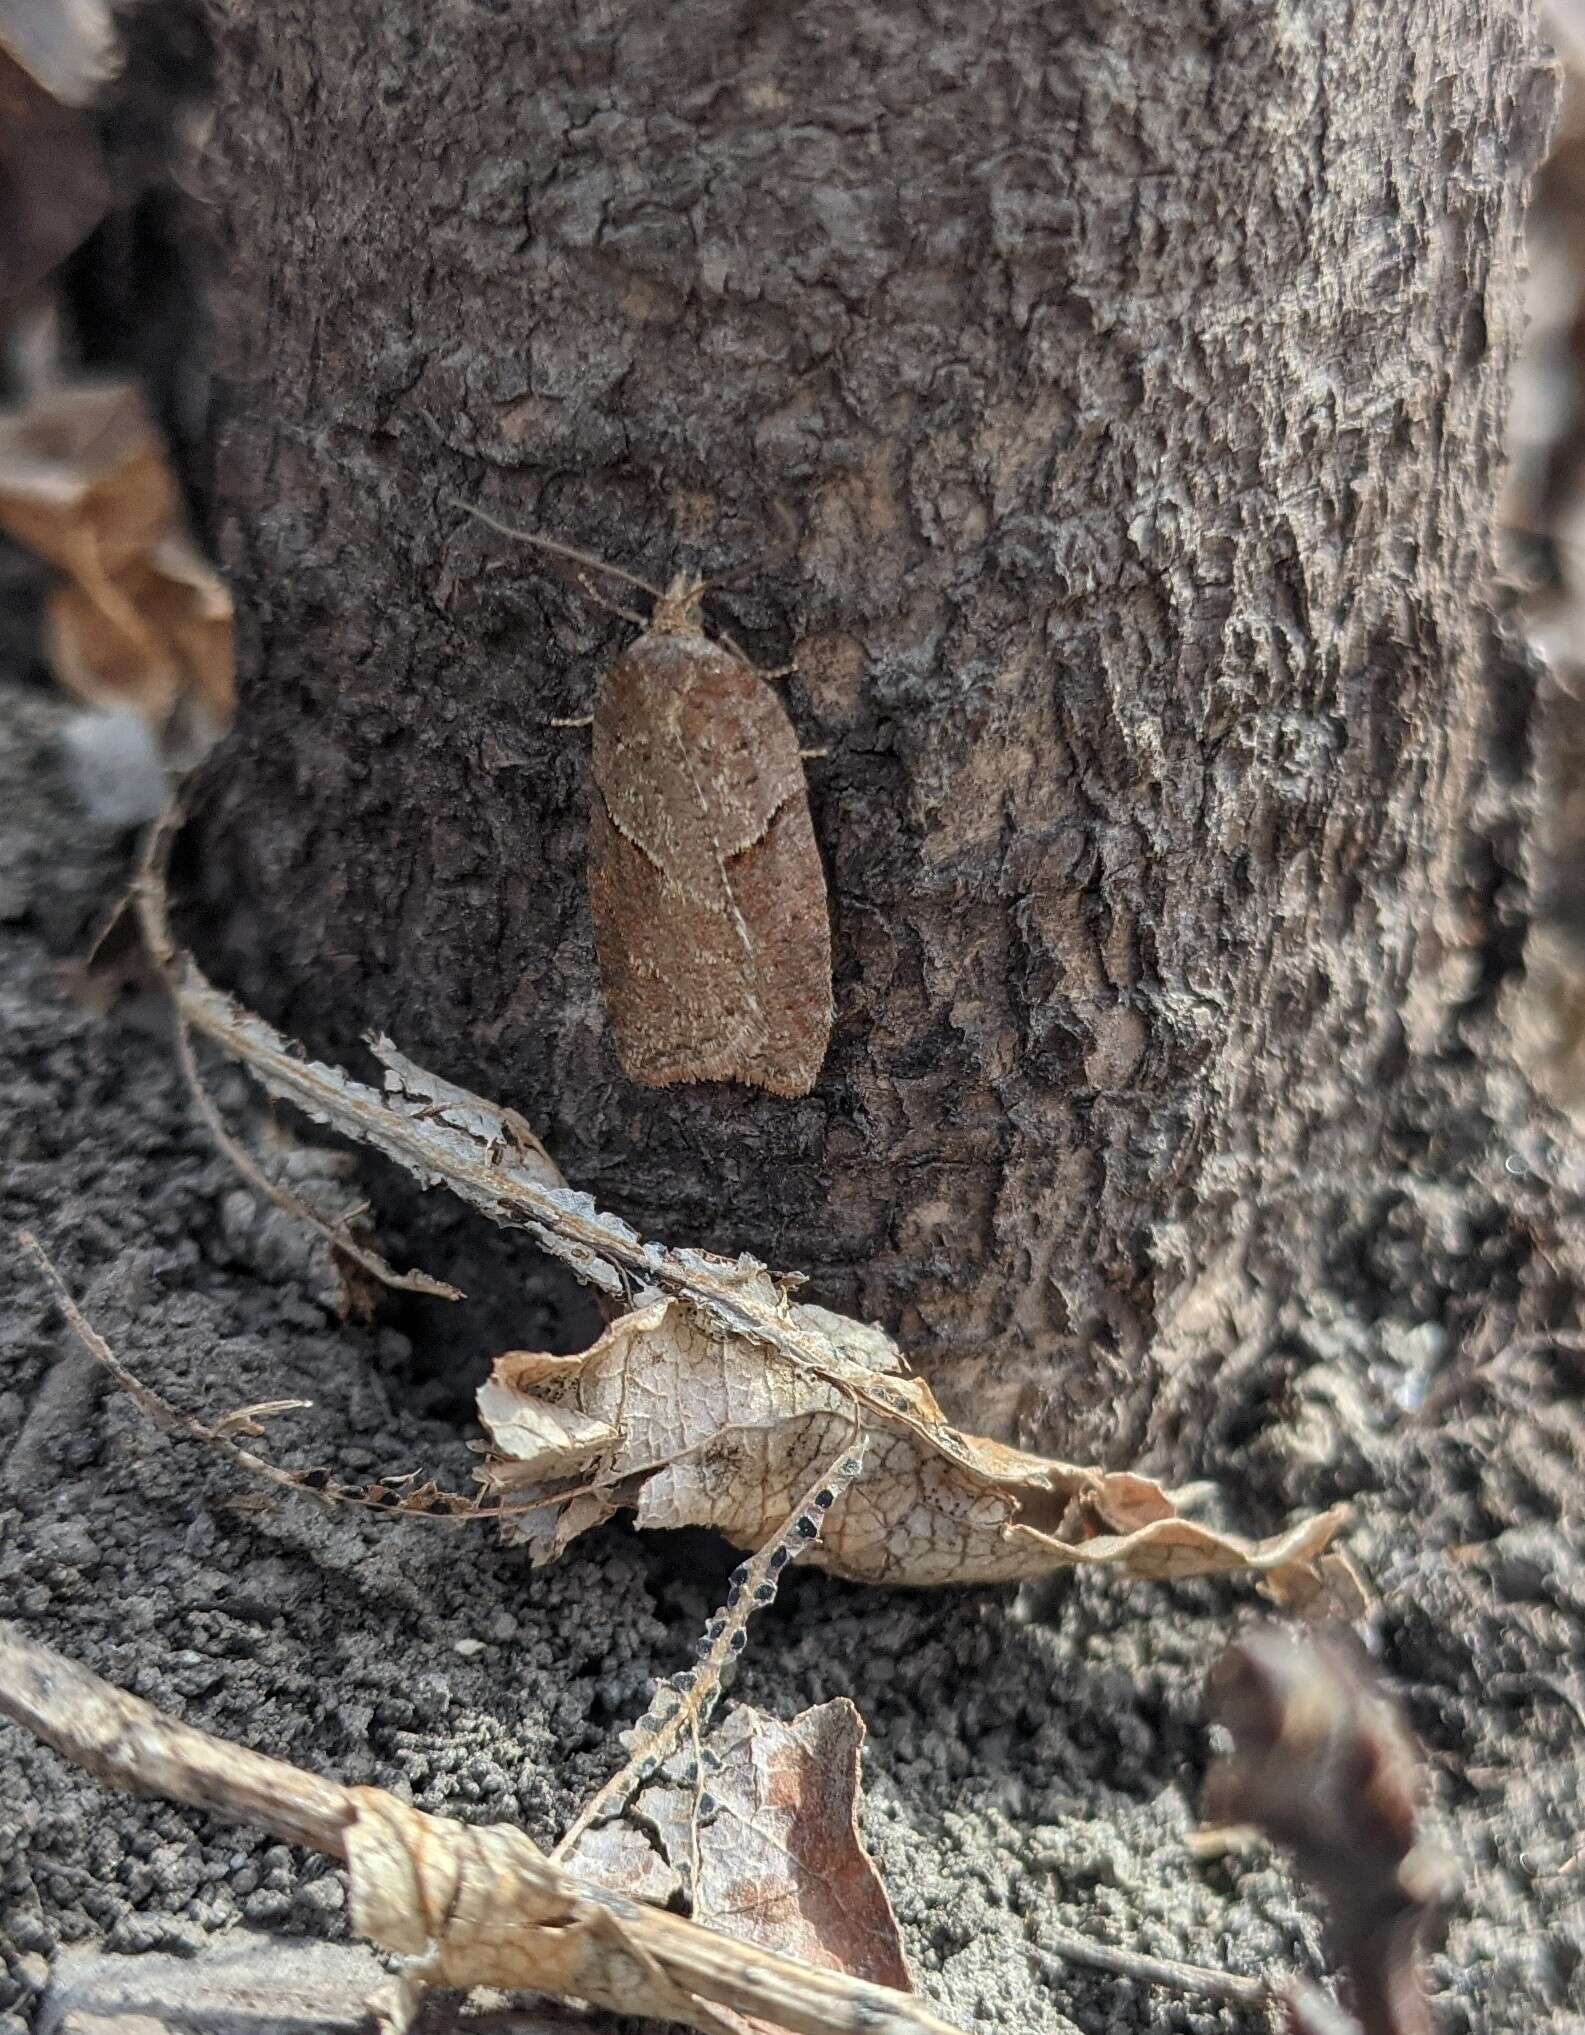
x: 611, y: 607
x: 569, y: 551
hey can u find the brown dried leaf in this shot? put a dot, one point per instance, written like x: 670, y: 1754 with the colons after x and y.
x: 504, y: 1133
x: 54, y: 189
x: 140, y: 618
x: 477, y: 1905
x: 769, y: 1843
x: 482, y: 1905
x: 619, y: 1855
x: 691, y: 1426
x: 1323, y: 1764
x: 278, y: 1173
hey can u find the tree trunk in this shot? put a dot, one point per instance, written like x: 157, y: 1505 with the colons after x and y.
x: 1134, y: 380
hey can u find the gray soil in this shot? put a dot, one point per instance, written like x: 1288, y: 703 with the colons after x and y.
x: 1029, y: 1760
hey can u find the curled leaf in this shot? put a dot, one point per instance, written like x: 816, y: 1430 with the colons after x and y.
x: 139, y: 618
x: 476, y: 1905
x: 718, y: 1399
x: 688, y: 1425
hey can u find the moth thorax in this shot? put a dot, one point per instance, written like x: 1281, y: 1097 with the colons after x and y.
x: 680, y: 609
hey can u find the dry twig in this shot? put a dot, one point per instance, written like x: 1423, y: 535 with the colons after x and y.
x: 336, y: 1234
x: 478, y: 1905
x: 685, y: 1703
x: 1059, y: 1946
x: 388, y: 1495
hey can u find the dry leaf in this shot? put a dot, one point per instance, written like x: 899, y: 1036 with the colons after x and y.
x: 502, y: 1132
x: 693, y: 1427
x: 139, y: 617
x: 620, y: 1855
x: 769, y: 1845
x: 718, y: 1399
x: 277, y: 1175
x: 1323, y: 1763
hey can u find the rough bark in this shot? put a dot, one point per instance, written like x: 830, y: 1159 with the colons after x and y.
x: 1134, y: 378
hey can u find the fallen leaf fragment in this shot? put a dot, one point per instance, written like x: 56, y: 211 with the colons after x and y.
x: 276, y: 1174
x: 690, y: 1426
x: 769, y: 1842
x: 139, y: 617
x: 619, y: 1855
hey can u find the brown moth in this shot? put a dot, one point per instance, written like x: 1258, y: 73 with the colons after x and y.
x: 709, y: 899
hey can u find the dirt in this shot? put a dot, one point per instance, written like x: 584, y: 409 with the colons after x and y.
x: 1030, y: 1758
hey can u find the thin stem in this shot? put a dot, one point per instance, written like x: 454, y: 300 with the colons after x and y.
x: 1059, y: 1946
x: 126, y: 1743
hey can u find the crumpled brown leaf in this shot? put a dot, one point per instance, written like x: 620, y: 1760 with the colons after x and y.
x: 482, y: 1905
x: 690, y: 1426
x: 619, y: 1855
x: 139, y: 618
x: 769, y: 1845
x: 475, y: 1904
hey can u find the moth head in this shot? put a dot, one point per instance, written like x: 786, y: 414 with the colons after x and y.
x: 679, y: 611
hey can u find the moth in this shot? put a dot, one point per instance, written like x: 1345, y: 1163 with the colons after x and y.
x: 711, y: 921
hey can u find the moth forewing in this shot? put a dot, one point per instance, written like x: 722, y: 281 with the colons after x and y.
x: 709, y: 899
x: 710, y: 913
